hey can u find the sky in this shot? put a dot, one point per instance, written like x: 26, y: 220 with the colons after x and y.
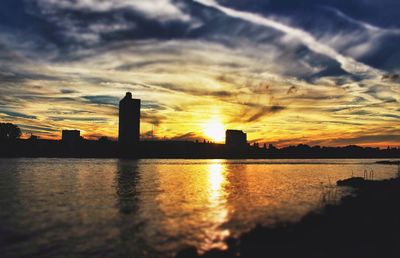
x: 318, y: 72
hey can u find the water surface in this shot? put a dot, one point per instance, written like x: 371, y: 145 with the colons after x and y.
x: 153, y: 208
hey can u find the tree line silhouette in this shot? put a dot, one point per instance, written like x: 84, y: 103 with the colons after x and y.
x: 9, y: 131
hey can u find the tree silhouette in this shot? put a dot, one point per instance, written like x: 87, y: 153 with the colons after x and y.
x: 9, y: 131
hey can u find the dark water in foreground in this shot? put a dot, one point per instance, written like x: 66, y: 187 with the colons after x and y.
x: 153, y: 208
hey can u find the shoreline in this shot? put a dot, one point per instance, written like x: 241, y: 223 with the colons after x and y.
x: 359, y: 226
x: 184, y: 150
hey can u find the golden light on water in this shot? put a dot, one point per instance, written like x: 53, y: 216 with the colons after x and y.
x: 214, y: 129
x: 217, y: 201
x: 166, y: 204
x: 216, y: 179
x: 200, y: 194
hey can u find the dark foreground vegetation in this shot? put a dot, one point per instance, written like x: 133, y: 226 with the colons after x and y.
x: 366, y: 225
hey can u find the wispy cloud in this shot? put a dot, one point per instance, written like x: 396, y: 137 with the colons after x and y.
x: 163, y: 10
x: 13, y: 114
x: 347, y: 63
x: 371, y: 28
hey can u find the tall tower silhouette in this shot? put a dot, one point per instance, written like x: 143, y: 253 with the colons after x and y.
x: 129, y: 120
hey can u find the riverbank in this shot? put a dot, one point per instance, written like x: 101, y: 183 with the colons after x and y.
x: 361, y: 226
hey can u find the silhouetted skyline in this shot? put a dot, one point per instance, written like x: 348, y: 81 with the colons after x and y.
x: 129, y: 144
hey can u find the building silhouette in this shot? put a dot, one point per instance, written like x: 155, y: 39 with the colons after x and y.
x: 71, y: 140
x: 71, y: 136
x: 235, y: 138
x: 129, y: 120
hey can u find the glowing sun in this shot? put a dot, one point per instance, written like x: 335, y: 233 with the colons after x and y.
x: 214, y: 130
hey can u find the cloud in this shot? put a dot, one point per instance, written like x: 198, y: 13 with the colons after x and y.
x: 265, y: 111
x: 65, y: 26
x: 36, y: 128
x: 79, y: 119
x: 396, y: 117
x: 198, y: 91
x: 253, y: 113
x: 152, y: 117
x: 102, y: 100
x: 391, y: 78
x: 17, y: 114
x: 162, y: 10
x: 371, y: 28
x: 292, y: 90
x: 366, y: 140
x: 68, y: 91
x: 347, y: 63
x: 190, y: 136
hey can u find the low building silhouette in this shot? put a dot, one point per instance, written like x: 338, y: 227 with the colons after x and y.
x: 129, y: 120
x: 235, y: 138
x: 71, y: 137
x: 71, y: 141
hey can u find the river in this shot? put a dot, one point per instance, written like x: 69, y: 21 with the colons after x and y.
x: 154, y: 208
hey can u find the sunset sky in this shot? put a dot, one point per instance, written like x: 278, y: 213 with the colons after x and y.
x: 320, y: 72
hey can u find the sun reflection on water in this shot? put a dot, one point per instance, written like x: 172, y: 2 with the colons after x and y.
x: 217, y: 201
x: 216, y: 180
